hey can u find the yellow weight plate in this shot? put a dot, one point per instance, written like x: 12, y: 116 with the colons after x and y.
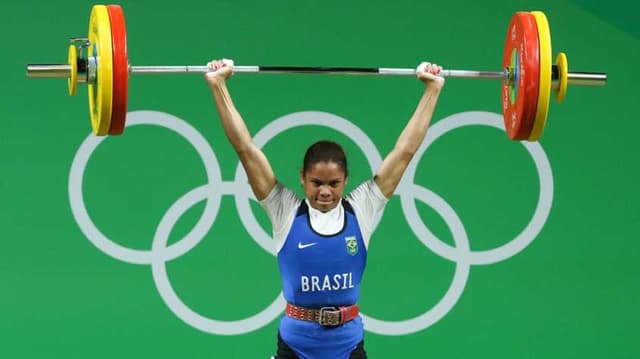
x: 563, y: 74
x: 72, y: 81
x: 100, y: 93
x: 544, y: 89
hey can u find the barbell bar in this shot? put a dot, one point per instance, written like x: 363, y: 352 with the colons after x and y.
x: 65, y: 71
x: 528, y: 75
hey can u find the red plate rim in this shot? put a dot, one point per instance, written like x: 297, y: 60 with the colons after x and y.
x: 120, y: 69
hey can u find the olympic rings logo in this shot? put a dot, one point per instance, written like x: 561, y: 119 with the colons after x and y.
x: 215, y: 188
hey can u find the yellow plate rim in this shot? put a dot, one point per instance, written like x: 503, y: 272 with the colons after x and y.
x: 544, y: 92
x: 563, y: 76
x: 72, y: 81
x: 100, y: 35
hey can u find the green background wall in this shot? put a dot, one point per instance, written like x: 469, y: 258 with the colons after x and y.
x: 573, y: 292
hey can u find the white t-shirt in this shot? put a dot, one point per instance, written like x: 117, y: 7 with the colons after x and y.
x: 367, y: 201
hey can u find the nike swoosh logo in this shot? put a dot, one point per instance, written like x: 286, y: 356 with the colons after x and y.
x: 303, y: 246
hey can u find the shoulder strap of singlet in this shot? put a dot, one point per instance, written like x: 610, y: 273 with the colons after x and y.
x: 347, y: 206
x: 302, y: 209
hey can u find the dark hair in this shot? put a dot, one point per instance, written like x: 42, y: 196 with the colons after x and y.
x: 325, y: 151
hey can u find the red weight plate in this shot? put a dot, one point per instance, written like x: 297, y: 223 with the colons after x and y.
x: 522, y: 53
x: 120, y: 69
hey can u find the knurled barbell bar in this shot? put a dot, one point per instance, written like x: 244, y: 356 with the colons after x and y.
x: 528, y: 74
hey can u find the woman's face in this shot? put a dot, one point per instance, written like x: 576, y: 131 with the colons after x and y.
x: 323, y: 185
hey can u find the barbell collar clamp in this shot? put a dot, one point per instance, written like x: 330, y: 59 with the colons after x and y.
x: 80, y: 42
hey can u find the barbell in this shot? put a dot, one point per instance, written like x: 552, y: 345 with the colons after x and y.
x: 528, y: 73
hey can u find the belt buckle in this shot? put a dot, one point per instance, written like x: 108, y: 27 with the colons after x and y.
x: 329, y: 316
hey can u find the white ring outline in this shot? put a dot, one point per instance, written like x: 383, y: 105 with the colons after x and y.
x: 459, y: 254
x: 170, y: 297
x: 456, y: 287
x: 514, y: 246
x: 176, y: 249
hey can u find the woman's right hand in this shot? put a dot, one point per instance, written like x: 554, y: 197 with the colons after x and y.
x: 428, y: 73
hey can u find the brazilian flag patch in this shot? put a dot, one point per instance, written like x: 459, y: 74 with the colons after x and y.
x: 352, y: 245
